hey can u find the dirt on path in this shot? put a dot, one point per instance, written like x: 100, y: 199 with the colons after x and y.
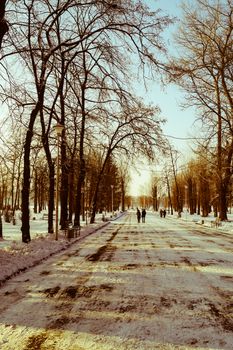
x: 156, y: 285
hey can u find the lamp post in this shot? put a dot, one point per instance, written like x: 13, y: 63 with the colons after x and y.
x: 112, y: 198
x: 58, y: 128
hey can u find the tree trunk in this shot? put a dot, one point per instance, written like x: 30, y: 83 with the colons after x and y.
x: 25, y: 228
x: 64, y: 187
x: 94, y: 204
x: 71, y: 193
x: 198, y: 207
x: 169, y: 195
x: 3, y: 23
x: 122, y: 195
x: 222, y: 189
x: 51, y: 197
x: 81, y: 178
x: 35, y: 192
x: 95, y: 197
x: 51, y: 187
x: 192, y: 196
x: 205, y: 196
x: 50, y: 163
x: 178, y: 199
x: 223, y: 202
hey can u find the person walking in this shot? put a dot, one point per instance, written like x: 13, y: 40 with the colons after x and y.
x: 138, y: 215
x: 143, y: 215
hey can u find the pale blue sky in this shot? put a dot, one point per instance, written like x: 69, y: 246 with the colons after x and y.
x: 180, y: 123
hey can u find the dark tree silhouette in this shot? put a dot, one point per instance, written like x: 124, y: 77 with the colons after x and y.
x: 3, y: 23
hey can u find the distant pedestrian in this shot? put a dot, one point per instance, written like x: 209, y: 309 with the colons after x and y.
x: 138, y: 215
x: 161, y: 213
x: 143, y: 215
x: 164, y: 213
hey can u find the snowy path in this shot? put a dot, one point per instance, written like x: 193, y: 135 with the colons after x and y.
x: 158, y: 285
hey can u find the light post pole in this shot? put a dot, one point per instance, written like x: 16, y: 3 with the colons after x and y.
x: 58, y: 128
x: 112, y: 198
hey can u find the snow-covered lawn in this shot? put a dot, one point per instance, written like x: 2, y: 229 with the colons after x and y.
x: 16, y: 256
x: 166, y: 284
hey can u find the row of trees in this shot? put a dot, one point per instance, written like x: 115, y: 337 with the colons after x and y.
x: 203, y: 68
x: 71, y: 63
x: 191, y: 187
x: 11, y: 172
x: 204, y: 71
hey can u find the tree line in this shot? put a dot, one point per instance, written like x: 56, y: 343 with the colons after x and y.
x: 203, y: 69
x: 71, y: 63
x: 205, y: 73
x: 74, y: 63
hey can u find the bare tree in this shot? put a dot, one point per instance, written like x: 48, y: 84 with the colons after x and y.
x: 4, y: 27
x: 45, y: 34
x: 3, y: 23
x: 177, y: 188
x: 154, y: 192
x: 108, y: 32
x: 205, y: 73
x: 35, y: 44
x: 137, y: 128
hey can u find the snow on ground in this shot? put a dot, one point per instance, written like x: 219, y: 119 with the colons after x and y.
x: 165, y: 284
x: 16, y: 256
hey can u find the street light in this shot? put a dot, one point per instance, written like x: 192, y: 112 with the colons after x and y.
x: 58, y: 128
x: 112, y: 198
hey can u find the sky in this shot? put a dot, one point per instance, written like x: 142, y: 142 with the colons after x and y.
x: 180, y: 123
